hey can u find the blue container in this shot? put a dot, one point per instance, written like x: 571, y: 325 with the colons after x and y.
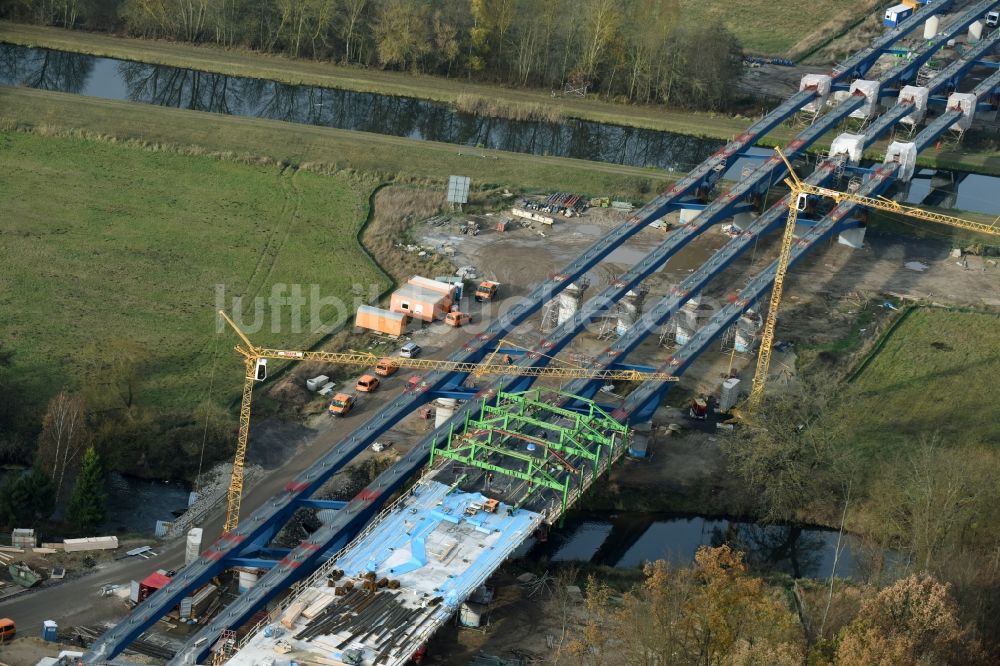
x: 50, y: 631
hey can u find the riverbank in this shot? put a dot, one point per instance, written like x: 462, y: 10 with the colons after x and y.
x: 496, y: 100
x: 238, y: 62
x: 321, y: 148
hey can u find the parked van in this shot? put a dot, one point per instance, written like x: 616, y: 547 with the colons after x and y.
x: 457, y: 319
x: 367, y: 383
x: 385, y: 367
x: 7, y: 629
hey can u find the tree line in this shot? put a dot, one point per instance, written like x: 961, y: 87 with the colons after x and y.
x: 716, y: 611
x: 642, y: 51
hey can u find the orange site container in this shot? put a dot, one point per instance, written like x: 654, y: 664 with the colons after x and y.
x: 383, y: 321
x: 420, y: 302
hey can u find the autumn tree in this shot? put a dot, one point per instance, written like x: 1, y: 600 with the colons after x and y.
x: 928, y: 503
x: 712, y: 612
x: 914, y: 621
x: 402, y: 33
x: 787, y: 460
x: 85, y: 511
x: 63, y: 440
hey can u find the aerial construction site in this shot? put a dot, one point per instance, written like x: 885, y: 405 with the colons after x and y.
x: 549, y: 424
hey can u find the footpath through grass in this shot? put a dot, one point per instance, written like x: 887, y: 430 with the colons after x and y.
x: 115, y: 252
x: 934, y: 374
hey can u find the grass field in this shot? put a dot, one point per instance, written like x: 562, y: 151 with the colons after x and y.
x: 932, y: 374
x: 779, y: 28
x: 388, y: 156
x: 115, y: 251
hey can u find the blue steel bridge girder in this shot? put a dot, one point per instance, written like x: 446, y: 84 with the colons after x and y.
x: 959, y: 24
x: 858, y: 65
x: 649, y: 394
x: 769, y: 172
x: 266, y: 520
x: 644, y: 399
x: 767, y: 222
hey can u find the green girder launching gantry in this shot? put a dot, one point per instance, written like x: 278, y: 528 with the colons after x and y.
x: 548, y: 447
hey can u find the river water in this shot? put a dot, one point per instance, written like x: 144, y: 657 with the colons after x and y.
x: 330, y: 107
x: 413, y: 118
x: 628, y: 540
x: 134, y: 504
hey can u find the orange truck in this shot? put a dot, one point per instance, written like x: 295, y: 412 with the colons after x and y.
x: 457, y: 319
x: 487, y: 291
x: 342, y: 404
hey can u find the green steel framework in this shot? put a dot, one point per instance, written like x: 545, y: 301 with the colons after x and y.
x: 497, y: 441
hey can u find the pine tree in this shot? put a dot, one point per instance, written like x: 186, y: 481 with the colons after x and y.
x: 86, y: 505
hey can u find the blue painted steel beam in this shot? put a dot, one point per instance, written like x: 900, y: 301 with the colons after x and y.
x: 644, y: 400
x: 320, y: 504
x: 456, y: 392
x: 659, y: 314
x: 858, y: 64
x: 252, y: 563
x: 632, y: 366
x: 959, y: 24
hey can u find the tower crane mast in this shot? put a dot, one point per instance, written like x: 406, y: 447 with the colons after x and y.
x: 800, y: 190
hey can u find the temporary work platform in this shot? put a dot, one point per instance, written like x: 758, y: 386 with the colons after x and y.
x: 537, y: 445
x: 379, y: 320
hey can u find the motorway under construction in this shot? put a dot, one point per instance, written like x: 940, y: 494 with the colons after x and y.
x: 369, y: 587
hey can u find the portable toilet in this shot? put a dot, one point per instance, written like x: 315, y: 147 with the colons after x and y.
x: 50, y: 631
x: 897, y: 14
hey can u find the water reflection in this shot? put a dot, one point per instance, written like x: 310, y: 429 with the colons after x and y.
x: 629, y: 540
x: 367, y: 112
x: 44, y: 69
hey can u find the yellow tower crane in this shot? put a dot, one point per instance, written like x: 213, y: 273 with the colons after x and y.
x: 255, y: 364
x: 797, y: 202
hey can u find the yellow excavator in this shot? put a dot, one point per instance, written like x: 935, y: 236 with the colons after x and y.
x: 255, y: 362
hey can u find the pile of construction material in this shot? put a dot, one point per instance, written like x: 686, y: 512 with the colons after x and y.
x: 560, y: 203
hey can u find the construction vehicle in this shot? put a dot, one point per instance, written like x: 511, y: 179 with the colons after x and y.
x: 255, y: 364
x: 797, y: 201
x: 385, y: 367
x: 487, y: 291
x: 367, y: 384
x: 457, y: 319
x: 340, y: 405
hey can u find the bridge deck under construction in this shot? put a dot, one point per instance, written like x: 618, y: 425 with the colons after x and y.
x: 385, y: 594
